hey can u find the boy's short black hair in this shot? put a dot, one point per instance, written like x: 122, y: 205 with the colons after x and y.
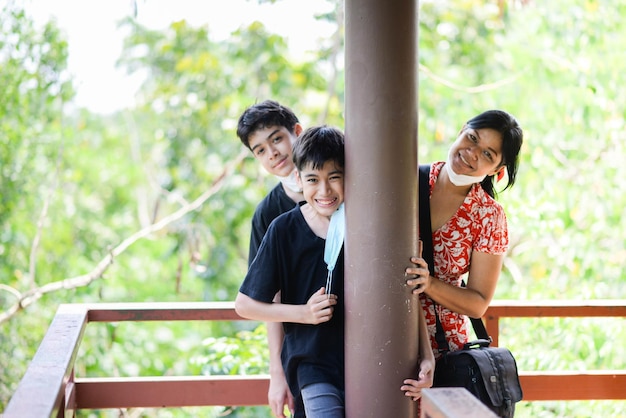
x: 317, y: 145
x: 262, y: 115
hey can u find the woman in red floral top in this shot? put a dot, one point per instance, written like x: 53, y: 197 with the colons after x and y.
x: 469, y: 227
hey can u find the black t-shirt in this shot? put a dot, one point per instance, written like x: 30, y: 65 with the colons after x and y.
x: 275, y: 203
x: 291, y: 259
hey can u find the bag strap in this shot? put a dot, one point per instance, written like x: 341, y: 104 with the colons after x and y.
x: 479, y: 327
x: 425, y: 232
x: 426, y: 236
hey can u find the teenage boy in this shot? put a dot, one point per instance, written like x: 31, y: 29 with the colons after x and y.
x: 290, y: 261
x: 269, y: 129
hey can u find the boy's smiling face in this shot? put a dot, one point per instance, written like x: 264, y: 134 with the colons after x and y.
x: 322, y: 188
x: 272, y: 146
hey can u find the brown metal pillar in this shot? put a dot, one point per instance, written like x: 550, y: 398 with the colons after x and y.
x: 381, y: 205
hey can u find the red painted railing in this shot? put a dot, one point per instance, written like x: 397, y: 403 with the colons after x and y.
x: 50, y: 389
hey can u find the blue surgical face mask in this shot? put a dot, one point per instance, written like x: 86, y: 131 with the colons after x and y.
x: 334, y: 242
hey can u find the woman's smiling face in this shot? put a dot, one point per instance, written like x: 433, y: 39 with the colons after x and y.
x: 476, y: 152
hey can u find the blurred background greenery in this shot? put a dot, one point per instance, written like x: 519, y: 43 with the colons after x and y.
x: 75, y: 183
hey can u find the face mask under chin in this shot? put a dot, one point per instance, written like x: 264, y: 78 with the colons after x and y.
x: 290, y: 182
x: 461, y: 179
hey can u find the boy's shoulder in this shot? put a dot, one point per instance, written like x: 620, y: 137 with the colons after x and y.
x: 273, y: 204
x: 290, y: 220
x: 290, y: 228
x: 275, y: 195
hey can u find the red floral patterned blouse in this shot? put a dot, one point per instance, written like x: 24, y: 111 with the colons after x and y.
x: 479, y: 224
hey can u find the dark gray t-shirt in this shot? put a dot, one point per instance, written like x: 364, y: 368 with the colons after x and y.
x: 275, y: 203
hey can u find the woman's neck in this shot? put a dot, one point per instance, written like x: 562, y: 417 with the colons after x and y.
x: 446, y: 184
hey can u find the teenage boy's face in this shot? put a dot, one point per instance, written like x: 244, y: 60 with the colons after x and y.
x: 323, y: 188
x: 272, y: 147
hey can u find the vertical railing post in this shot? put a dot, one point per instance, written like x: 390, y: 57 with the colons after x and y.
x: 381, y: 205
x: 492, y: 324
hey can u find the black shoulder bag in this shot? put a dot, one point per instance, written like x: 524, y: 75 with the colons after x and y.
x: 489, y: 373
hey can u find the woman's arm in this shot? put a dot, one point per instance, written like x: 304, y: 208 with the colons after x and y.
x: 472, y: 300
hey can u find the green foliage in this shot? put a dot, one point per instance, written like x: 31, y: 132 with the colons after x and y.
x: 77, y: 184
x: 564, y: 212
x: 102, y: 178
x: 187, y: 75
x: 244, y: 354
x: 550, y: 65
x: 35, y: 85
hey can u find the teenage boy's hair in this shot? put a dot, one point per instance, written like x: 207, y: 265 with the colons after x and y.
x: 317, y: 145
x: 263, y: 115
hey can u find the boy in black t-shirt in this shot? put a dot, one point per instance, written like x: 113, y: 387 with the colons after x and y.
x: 290, y: 260
x: 269, y: 129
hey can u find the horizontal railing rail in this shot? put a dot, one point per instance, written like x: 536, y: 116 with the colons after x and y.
x: 562, y: 385
x: 50, y: 389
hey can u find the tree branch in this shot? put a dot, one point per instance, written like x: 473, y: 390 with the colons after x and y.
x: 32, y: 264
x: 29, y: 297
x: 476, y: 89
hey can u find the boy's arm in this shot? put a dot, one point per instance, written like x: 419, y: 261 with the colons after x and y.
x: 278, y: 394
x: 318, y: 309
x: 275, y: 335
x: 426, y: 355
